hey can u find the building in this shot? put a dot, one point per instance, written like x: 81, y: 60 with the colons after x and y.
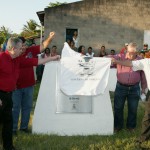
x: 99, y: 22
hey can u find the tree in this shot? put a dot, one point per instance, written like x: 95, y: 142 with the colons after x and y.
x: 31, y: 29
x: 5, y: 33
x: 55, y: 4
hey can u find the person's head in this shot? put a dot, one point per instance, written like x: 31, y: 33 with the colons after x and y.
x: 68, y: 41
x: 72, y: 44
x: 102, y: 48
x: 24, y: 44
x: 145, y: 46
x: 90, y: 50
x: 14, y: 47
x: 81, y: 49
x: 142, y: 54
x: 75, y: 33
x: 54, y: 49
x: 112, y: 52
x: 22, y: 39
x: 131, y: 51
x: 33, y: 44
x: 47, y: 51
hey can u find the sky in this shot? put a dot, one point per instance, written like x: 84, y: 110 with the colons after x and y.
x: 15, y: 13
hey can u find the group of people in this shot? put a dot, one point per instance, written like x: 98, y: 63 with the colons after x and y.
x: 17, y: 83
x: 46, y: 53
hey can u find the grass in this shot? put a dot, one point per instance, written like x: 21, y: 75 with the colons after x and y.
x: 123, y: 140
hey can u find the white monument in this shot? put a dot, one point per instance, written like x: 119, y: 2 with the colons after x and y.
x: 57, y: 113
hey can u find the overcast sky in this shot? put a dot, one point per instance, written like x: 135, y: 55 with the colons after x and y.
x: 15, y: 13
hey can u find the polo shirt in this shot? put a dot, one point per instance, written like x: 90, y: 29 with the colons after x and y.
x: 9, y: 70
x: 26, y: 76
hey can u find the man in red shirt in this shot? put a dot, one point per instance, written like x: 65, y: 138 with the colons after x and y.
x: 23, y: 95
x: 127, y: 88
x: 9, y: 72
x: 10, y: 64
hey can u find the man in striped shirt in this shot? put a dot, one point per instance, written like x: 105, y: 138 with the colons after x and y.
x: 127, y: 88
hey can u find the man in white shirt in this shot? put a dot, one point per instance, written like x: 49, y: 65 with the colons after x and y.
x: 143, y: 64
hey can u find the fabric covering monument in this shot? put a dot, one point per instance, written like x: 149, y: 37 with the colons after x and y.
x: 78, y: 112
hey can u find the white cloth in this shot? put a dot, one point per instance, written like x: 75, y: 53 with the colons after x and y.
x: 90, y: 55
x: 143, y: 64
x: 76, y: 41
x: 79, y: 77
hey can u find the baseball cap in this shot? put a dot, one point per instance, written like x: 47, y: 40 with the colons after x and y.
x: 145, y: 44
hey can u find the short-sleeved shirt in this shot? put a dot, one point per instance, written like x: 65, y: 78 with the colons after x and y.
x: 26, y: 76
x: 143, y: 64
x: 10, y: 68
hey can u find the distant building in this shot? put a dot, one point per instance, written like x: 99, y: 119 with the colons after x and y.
x: 98, y: 22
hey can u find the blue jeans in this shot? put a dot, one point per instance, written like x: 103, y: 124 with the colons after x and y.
x: 22, y: 101
x: 132, y: 95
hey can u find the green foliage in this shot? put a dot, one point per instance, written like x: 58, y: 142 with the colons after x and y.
x: 31, y: 29
x: 4, y: 34
x: 55, y: 4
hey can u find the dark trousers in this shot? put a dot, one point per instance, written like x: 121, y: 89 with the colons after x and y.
x: 145, y: 135
x: 6, y: 119
x: 132, y: 95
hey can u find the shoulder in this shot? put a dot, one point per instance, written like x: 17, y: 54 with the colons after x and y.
x: 4, y: 55
x: 32, y: 48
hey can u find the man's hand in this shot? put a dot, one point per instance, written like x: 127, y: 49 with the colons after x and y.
x: 57, y: 57
x: 51, y: 35
x: 113, y: 60
x: 47, y: 41
x: 143, y: 91
x: 1, y: 102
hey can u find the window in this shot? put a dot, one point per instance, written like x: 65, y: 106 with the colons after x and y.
x: 69, y: 33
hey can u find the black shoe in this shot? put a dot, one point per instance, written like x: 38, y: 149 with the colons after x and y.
x: 25, y: 130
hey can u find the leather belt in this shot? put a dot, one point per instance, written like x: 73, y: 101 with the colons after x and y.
x: 127, y: 84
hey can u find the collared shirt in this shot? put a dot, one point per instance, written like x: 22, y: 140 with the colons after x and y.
x: 143, y: 64
x: 127, y: 76
x: 9, y: 70
x: 26, y: 76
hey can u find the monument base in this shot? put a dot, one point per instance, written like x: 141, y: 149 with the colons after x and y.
x: 51, y: 117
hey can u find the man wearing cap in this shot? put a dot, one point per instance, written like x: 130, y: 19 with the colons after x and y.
x: 145, y: 47
x: 124, y: 49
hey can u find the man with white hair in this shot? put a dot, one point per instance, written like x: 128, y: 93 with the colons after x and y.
x: 127, y: 88
x: 10, y: 64
x: 143, y: 64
